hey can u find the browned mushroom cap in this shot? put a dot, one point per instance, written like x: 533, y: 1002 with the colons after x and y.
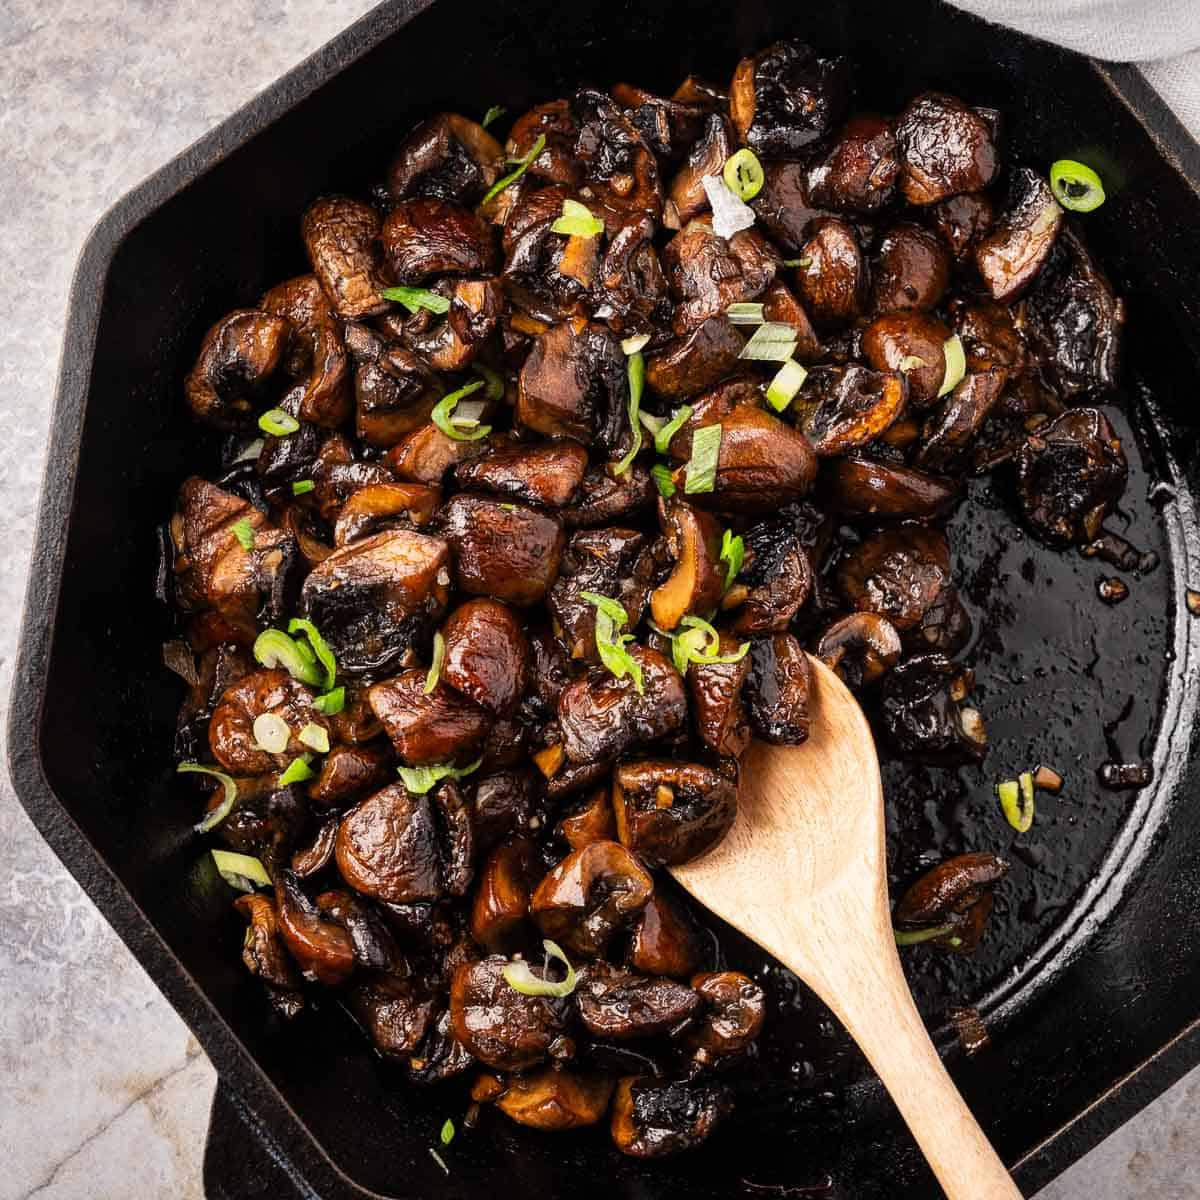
x: 950, y: 430
x: 592, y: 821
x: 669, y: 812
x: 706, y: 157
x: 555, y: 122
x: 506, y: 551
x: 734, y: 1006
x: 654, y: 1119
x: 457, y: 842
x: 487, y: 656
x: 697, y: 361
x: 602, y: 716
x: 356, y: 723
x: 375, y: 945
x: 322, y: 948
x: 962, y: 220
x: 425, y: 455
x: 776, y: 690
x: 436, y: 237
x: 1011, y: 255
x: 920, y: 708
x: 665, y: 940
x: 786, y: 97
x: 990, y: 336
x: 500, y: 911
x: 342, y: 239
x: 448, y: 157
x: 556, y: 1098
x: 237, y: 359
x: 394, y: 389
x: 348, y: 771
x: 864, y: 488
x: 336, y: 474
x: 1070, y: 474
x: 631, y: 292
x: 603, y: 498
x: 614, y: 1003
x: 782, y: 207
x: 505, y: 803
x: 715, y: 690
x: 383, y: 504
x: 589, y: 896
x: 387, y: 847
x: 453, y: 342
x: 831, y: 280
x: 371, y: 599
x: 547, y: 473
x: 574, y: 384
x: 708, y: 273
x: 435, y: 727
x: 860, y: 648
x: 395, y: 1012
x: 912, y: 343
x: 618, y: 563
x: 231, y: 731
x: 697, y: 581
x: 779, y: 305
x: 945, y: 148
x: 911, y: 270
x: 777, y: 577
x: 957, y: 895
x: 847, y: 407
x: 858, y: 172
x: 502, y: 1027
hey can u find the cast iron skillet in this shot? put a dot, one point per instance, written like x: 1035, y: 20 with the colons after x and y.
x: 1089, y: 981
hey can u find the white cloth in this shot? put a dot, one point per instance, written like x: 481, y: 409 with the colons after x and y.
x: 1161, y: 36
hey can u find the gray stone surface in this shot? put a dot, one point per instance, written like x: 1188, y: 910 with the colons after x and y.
x: 103, y: 1092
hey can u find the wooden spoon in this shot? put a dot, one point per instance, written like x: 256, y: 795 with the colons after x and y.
x: 802, y: 873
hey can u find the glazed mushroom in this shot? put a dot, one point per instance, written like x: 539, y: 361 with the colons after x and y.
x: 708, y: 273
x: 945, y: 148
x: 591, y: 821
x: 437, y: 726
x: 266, y: 955
x: 276, y: 696
x: 952, y: 902
x: 862, y: 487
x: 618, y: 1004
x: 506, y: 802
x: 238, y: 358
x: 454, y: 342
x: 962, y: 220
x: 776, y: 578
x: 715, y: 695
x: 697, y: 580
x: 378, y: 505
x: 858, y: 172
x: 447, y: 157
x: 831, y: 280
x: 500, y: 910
x: 556, y: 1098
x: 733, y: 1010
x: 706, y: 157
x: 630, y: 292
x: 848, y: 407
x: 346, y: 772
x: 665, y: 940
x: 486, y: 656
x: 697, y: 361
x: 395, y: 1012
x: 429, y: 237
x: 427, y: 454
x: 655, y: 1119
x: 394, y: 389
x: 1010, y: 256
x: 951, y: 430
x: 860, y: 648
x: 547, y: 473
x: 387, y: 847
x: 776, y: 690
x: 923, y: 716
x: 342, y: 238
x: 910, y: 271
x: 322, y: 948
x: 604, y: 499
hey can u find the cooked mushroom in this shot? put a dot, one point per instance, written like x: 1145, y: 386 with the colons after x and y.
x: 962, y: 220
x: 487, y: 657
x: 336, y: 473
x: 781, y: 307
x: 697, y: 580
x: 395, y: 390
x: 776, y: 690
x: 603, y: 498
x: 954, y: 897
x: 375, y: 947
x: 847, y: 407
x: 733, y: 1010
x: 500, y: 911
x: 777, y: 576
x: 715, y: 693
x: 618, y: 1004
x: 922, y: 714
x: 556, y: 1098
x: 426, y: 454
x: 706, y: 157
x: 654, y: 1119
x: 387, y: 847
x: 266, y: 956
x: 831, y: 280
x: 457, y: 838
x: 858, y: 172
x: 348, y: 771
x: 708, y: 273
x: 275, y: 695
x: 665, y: 940
x: 697, y: 361
x: 546, y: 473
x: 990, y: 337
x: 631, y: 293
x: 1010, y: 256
x: 322, y: 948
x: 447, y: 157
x: 860, y: 648
x: 945, y: 148
x: 378, y: 505
x: 428, y: 727
x: 782, y: 206
x: 912, y: 343
x: 910, y: 271
x: 318, y: 854
x: 342, y: 238
x: 865, y: 488
x: 950, y: 430
x: 396, y: 1012
x: 592, y: 821
x: 505, y: 803
x: 427, y: 237
x: 558, y: 125
x: 454, y: 342
x: 238, y: 358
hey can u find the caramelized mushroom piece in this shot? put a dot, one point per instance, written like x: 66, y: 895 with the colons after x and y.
x: 955, y: 896
x: 708, y: 273
x: 669, y: 812
x: 667, y: 125
x: 440, y: 1055
x: 265, y: 954
x: 782, y: 207
x: 342, y: 238
x: 617, y: 1004
x: 665, y: 940
x: 989, y: 336
x: 911, y: 270
x: 318, y: 854
x: 457, y: 840
x: 591, y: 895
x: 630, y: 293
x: 447, y: 157
x: 848, y: 407
x: 237, y: 359
x: 547, y: 473
x: 654, y: 1119
x: 558, y: 125
x: 776, y: 690
x: 374, y: 945
x: 395, y: 1012
x: 1011, y: 255
x: 715, y: 691
x: 231, y: 731
x: 945, y: 148
x: 454, y: 342
x: 382, y: 504
x: 962, y: 220
x: 950, y: 431
x: 348, y: 771
x: 322, y: 948
x: 860, y: 649
x: 696, y: 362
x: 733, y: 1011
x: 556, y: 1098
x: 697, y: 581
x: 387, y: 847
x: 428, y: 727
x: 500, y: 912
x: 778, y: 578
x: 912, y: 343
x: 706, y: 157
x: 858, y: 172
x: 425, y: 455
x: 603, y: 499
x: 505, y: 802
x: 780, y: 306
x: 591, y: 822
x: 428, y: 237
x: 394, y: 389
x: 922, y: 715
x: 487, y: 656
x: 1070, y: 474
x: 336, y: 474
x: 864, y: 488
x: 832, y: 278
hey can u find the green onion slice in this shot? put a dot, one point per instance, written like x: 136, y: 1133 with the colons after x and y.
x: 332, y: 702
x: 662, y: 439
x: 702, y: 466
x: 319, y: 645
x: 956, y: 364
x: 415, y: 299
x: 278, y: 423
x: 773, y: 341
x: 273, y: 648
x: 663, y: 481
x: 213, y: 818
x: 493, y: 114
x: 241, y: 871
x: 244, y: 532
x: 493, y: 379
x: 435, y: 669
x: 518, y: 975
x: 652, y: 423
x: 743, y: 174
x: 637, y: 377
x: 910, y: 362
x: 577, y: 220
x: 612, y: 608
x: 420, y: 780
x: 914, y: 937
x: 522, y: 167
x: 745, y: 314
x: 1075, y: 185
x: 1016, y: 799
x: 315, y: 737
x: 610, y: 645
x: 781, y: 391
x: 447, y: 1134
x: 443, y: 415
x: 298, y: 771
x: 271, y: 733
x: 798, y: 262
x: 733, y: 553
x: 706, y: 650
x: 631, y: 345
x: 302, y: 487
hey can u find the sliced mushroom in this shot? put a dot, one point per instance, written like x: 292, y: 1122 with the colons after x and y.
x: 777, y: 576
x: 231, y: 734
x: 593, y: 821
x: 781, y: 307
x: 831, y: 280
x: 348, y: 771
x: 776, y: 690
x: 264, y: 951
x: 715, y: 690
x: 945, y: 148
x: 950, y: 430
x: 864, y: 488
x: 733, y: 1010
x: 487, y: 656
x: 556, y: 1098
x: 848, y: 407
x: 318, y: 854
x: 336, y: 474
x: 1010, y: 256
x: 858, y: 172
x: 342, y: 238
x: 697, y: 580
x: 665, y: 940
x: 387, y: 847
x: 370, y: 935
x: 238, y: 358
x: 394, y: 389
x: 447, y: 157
x: 604, y: 499
x: 860, y: 649
x: 697, y: 361
x: 962, y: 220
x: 322, y: 948
x: 655, y: 1119
x: 395, y: 1012
x: 589, y: 896
x: 708, y: 273
x: 912, y: 343
x: 922, y: 714
x: 706, y: 157
x: 546, y: 473
x: 956, y: 895
x: 454, y: 342
x: 382, y: 504
x: 618, y: 1004
x: 500, y: 911
x: 428, y: 237
x: 911, y: 270
x: 426, y: 454
x: 435, y: 727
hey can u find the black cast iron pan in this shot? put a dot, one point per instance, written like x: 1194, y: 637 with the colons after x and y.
x: 1089, y: 982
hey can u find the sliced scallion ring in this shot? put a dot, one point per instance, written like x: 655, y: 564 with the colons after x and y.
x: 701, y: 475
x: 662, y: 439
x: 320, y: 647
x: 493, y: 379
x: 522, y: 167
x: 914, y: 937
x: 789, y: 379
x: 332, y: 702
x: 577, y: 220
x: 241, y: 871
x: 745, y: 314
x: 636, y: 370
x: 415, y: 299
x: 743, y: 174
x: 467, y: 414
x: 610, y: 645
x: 712, y: 642
x: 652, y: 423
x: 519, y: 976
x: 773, y: 341
x: 435, y: 669
x: 271, y: 733
x: 605, y: 604
x: 215, y: 816
x: 443, y: 412
x: 278, y: 423
x: 1016, y: 801
x: 244, y: 532
x: 420, y: 780
x: 302, y: 487
x: 631, y: 345
x: 663, y: 481
x: 956, y: 364
x: 733, y: 554
x: 298, y: 771
x: 315, y: 737
x: 273, y: 648
x: 1075, y: 185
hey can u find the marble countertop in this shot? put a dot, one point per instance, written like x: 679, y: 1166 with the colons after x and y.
x: 103, y: 1091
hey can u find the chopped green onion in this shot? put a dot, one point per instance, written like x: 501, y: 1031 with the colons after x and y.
x: 273, y: 648
x: 271, y: 733
x: 251, y: 451
x: 319, y: 645
x: 518, y: 975
x: 781, y: 391
x: 662, y: 439
x: 1075, y: 185
x: 493, y: 379
x: 577, y: 220
x: 806, y: 261
x: 522, y: 167
x: 435, y: 669
x: 733, y: 553
x: 743, y: 174
x: 637, y: 377
x: 419, y: 780
x: 315, y: 737
x: 708, y: 652
x: 702, y: 466
x: 241, y: 871
x: 444, y: 409
x: 663, y: 481
x: 332, y: 702
x: 437, y: 1158
x: 745, y: 314
x: 509, y: 508
x: 415, y: 299
x: 956, y: 364
x: 914, y: 937
x: 614, y: 610
x: 773, y: 341
x: 278, y: 423
x: 910, y: 362
x: 468, y: 413
x: 302, y: 487
x: 213, y: 818
x: 631, y: 345
x: 610, y: 645
x: 652, y: 422
x: 493, y: 114
x: 1016, y: 799
x: 244, y: 532
x: 298, y: 771
x: 447, y: 1134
